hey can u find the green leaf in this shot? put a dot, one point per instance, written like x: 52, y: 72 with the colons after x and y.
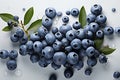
x: 106, y: 50
x: 35, y: 25
x: 6, y: 17
x: 28, y: 15
x: 82, y: 17
x: 98, y: 43
x: 7, y: 28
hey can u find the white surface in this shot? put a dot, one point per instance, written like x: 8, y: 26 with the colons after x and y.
x: 28, y: 71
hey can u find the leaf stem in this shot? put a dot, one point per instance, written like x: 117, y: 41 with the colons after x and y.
x: 22, y: 26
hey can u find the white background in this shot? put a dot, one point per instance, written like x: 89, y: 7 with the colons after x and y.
x: 28, y: 71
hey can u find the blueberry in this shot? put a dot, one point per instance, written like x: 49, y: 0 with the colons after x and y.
x: 16, y: 18
x: 23, y: 9
x: 67, y: 12
x: 101, y: 19
x: 82, y: 53
x: 34, y: 37
x: 64, y: 29
x: 34, y: 58
x: 48, y: 52
x: 70, y: 35
x: 80, y: 34
x: 76, y: 44
x: 14, y: 37
x: 49, y: 61
x: 86, y: 28
x: 91, y: 62
x: 65, y: 19
x: 116, y: 75
x: 96, y: 9
x: 90, y: 51
x: 74, y: 12
x: 99, y: 34
x: 4, y: 54
x: 89, y: 34
x: 57, y: 45
x: 59, y: 58
x: 108, y: 30
x: 87, y: 42
x: 19, y: 32
x: 10, y: 23
x: 53, y: 77
x: 102, y: 59
x: 50, y: 12
x: 76, y: 25
x: 42, y: 62
x: 94, y: 27
x: 29, y: 45
x: 97, y: 53
x: 13, y: 54
x: 54, y: 30
x: 47, y: 22
x: 91, y: 18
x: 117, y: 30
x: 44, y: 43
x: 113, y: 9
x: 79, y: 65
x: 23, y: 50
x: 50, y: 38
x: 42, y: 31
x: 30, y: 51
x: 65, y: 42
x: 59, y: 14
x: 72, y: 58
x: 88, y: 71
x: 55, y: 66
x: 11, y: 65
x: 23, y: 40
x: 37, y: 46
x: 68, y: 48
x: 58, y: 35
x: 68, y: 73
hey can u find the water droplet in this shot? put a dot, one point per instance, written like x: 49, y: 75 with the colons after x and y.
x: 18, y: 73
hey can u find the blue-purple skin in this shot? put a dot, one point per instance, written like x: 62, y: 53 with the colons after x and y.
x: 59, y: 14
x: 72, y: 58
x: 91, y: 18
x: 50, y: 12
x: 101, y: 19
x: 108, y: 30
x: 96, y: 9
x: 64, y: 29
x: 59, y: 58
x: 34, y: 37
x: 70, y: 35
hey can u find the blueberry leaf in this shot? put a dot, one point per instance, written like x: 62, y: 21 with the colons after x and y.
x: 6, y: 17
x: 82, y: 16
x: 28, y: 15
x: 98, y: 43
x: 35, y: 25
x: 7, y: 28
x: 107, y: 50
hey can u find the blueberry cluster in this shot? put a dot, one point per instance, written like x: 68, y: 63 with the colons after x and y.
x: 13, y: 23
x: 67, y: 45
x: 12, y: 61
